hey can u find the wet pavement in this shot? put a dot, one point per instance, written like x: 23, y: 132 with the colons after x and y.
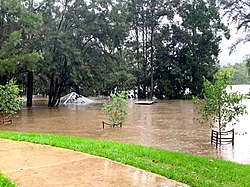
x: 167, y: 125
x: 33, y: 165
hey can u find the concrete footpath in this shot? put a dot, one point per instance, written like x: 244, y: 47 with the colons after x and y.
x: 33, y: 165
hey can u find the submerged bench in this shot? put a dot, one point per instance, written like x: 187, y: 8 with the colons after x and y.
x: 222, y: 138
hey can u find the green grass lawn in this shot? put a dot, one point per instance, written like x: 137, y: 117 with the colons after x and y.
x: 190, y: 169
x: 4, y: 182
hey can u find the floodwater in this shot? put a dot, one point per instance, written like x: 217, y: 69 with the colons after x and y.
x: 166, y: 124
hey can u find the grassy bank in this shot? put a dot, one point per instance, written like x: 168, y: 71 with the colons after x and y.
x: 4, y: 182
x: 189, y: 169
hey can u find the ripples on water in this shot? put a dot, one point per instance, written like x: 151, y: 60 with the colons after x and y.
x: 166, y: 124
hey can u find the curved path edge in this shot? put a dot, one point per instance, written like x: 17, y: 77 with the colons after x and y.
x: 28, y: 164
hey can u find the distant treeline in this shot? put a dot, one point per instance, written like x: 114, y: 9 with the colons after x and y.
x: 240, y: 73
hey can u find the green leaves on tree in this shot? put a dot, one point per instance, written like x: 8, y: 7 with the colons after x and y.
x: 10, y: 102
x: 115, y: 110
x: 159, y: 48
x: 218, y: 106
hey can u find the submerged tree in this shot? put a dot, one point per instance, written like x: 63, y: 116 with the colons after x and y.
x: 188, y: 48
x: 218, y: 106
x: 81, y: 46
x: 115, y: 110
x: 97, y: 47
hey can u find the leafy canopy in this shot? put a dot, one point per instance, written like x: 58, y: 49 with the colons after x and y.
x: 219, y: 106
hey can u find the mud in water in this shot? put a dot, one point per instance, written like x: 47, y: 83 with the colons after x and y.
x: 167, y: 124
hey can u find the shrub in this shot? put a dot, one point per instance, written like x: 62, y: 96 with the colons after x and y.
x: 10, y: 102
x: 115, y: 110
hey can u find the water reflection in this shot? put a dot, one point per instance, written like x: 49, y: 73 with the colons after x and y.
x: 166, y: 124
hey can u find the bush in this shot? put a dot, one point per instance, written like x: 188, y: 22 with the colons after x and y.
x: 115, y: 110
x: 10, y: 102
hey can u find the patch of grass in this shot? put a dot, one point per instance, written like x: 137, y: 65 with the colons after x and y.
x: 4, y: 182
x: 190, y: 169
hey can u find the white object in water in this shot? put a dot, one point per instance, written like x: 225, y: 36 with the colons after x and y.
x: 144, y: 102
x: 74, y: 98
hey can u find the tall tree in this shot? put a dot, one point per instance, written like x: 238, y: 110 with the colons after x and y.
x: 15, y: 22
x: 82, y: 44
x: 59, y: 47
x: 146, y: 18
x: 31, y: 38
x: 202, y: 23
x: 193, y: 47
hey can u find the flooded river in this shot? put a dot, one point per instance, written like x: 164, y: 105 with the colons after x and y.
x: 166, y: 124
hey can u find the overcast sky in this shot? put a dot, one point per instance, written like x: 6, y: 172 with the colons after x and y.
x: 238, y: 55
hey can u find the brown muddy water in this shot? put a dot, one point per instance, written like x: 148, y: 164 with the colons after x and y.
x: 167, y: 125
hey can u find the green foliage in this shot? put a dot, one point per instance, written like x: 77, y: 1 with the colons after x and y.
x: 188, y: 50
x: 240, y: 72
x: 10, y: 103
x: 190, y: 169
x: 219, y: 106
x: 115, y: 110
x: 96, y: 46
x: 5, y: 182
x: 247, y: 61
x: 17, y: 24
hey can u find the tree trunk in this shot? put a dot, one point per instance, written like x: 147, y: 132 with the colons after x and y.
x: 138, y: 58
x: 151, y: 63
x: 152, y: 30
x: 54, y: 93
x: 143, y: 95
x: 57, y: 86
x: 51, y: 91
x: 146, y: 64
x: 220, y: 125
x: 29, y: 88
x: 3, y: 79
